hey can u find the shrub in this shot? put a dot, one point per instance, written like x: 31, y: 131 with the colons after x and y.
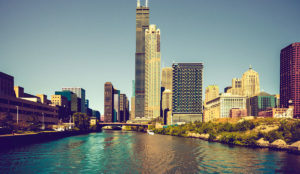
x: 273, y: 135
x: 229, y: 138
x: 212, y: 136
x: 250, y: 140
x: 151, y: 127
x: 226, y: 127
x: 245, y: 125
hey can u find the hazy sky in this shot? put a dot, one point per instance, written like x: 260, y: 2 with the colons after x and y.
x: 50, y: 44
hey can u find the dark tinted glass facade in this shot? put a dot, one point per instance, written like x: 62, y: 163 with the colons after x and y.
x: 290, y: 77
x: 142, y: 23
x: 108, y: 102
x: 187, y: 88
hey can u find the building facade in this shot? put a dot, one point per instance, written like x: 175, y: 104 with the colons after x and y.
x: 211, y: 92
x: 72, y: 99
x: 290, y: 77
x: 132, y: 106
x: 6, y: 85
x: 80, y: 92
x: 59, y: 100
x: 152, y: 72
x: 166, y: 77
x: 62, y: 103
x: 220, y: 107
x: 142, y: 23
x: 277, y: 113
x: 116, y: 116
x: 250, y: 83
x: 229, y: 101
x: 108, y: 102
x: 124, y: 112
x: 23, y: 110
x: 187, y: 92
x: 260, y: 102
x: 236, y: 88
x: 237, y: 113
x: 166, y: 104
x: 27, y: 109
x: 44, y: 98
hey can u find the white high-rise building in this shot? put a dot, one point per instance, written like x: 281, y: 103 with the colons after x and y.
x: 250, y: 83
x: 152, y: 72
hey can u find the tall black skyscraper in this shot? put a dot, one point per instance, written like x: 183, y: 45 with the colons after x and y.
x: 142, y: 23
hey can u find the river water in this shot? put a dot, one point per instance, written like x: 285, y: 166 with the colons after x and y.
x: 132, y: 152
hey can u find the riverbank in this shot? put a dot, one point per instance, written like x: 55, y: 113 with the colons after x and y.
x: 9, y: 140
x: 275, y: 134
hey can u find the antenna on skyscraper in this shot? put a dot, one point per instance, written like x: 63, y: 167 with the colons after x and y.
x: 146, y: 3
x: 138, y: 3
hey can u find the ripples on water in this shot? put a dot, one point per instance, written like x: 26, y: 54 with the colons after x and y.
x: 131, y: 152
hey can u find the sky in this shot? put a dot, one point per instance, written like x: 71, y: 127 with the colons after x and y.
x: 47, y: 45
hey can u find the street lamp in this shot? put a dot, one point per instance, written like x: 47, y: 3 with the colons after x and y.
x: 43, y: 122
x: 17, y: 115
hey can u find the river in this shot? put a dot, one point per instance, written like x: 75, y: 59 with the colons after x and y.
x: 133, y: 152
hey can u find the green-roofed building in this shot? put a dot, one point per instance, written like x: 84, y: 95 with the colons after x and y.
x: 260, y: 102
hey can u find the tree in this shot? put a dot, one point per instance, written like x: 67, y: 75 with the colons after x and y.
x: 82, y: 121
x: 6, y: 120
x: 34, y: 123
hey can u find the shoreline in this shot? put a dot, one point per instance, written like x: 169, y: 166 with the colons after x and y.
x: 18, y: 140
x: 204, y: 137
x: 273, y: 133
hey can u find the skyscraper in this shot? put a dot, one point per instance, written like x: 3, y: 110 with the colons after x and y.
x: 142, y: 23
x: 152, y: 72
x: 166, y: 104
x: 116, y: 116
x: 132, y: 112
x: 108, y: 102
x: 80, y: 92
x: 236, y: 87
x: 166, y: 77
x: 187, y: 92
x: 123, y: 108
x: 72, y: 99
x: 250, y: 83
x: 290, y: 77
x: 211, y: 92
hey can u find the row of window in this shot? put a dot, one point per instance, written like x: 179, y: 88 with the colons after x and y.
x: 26, y: 105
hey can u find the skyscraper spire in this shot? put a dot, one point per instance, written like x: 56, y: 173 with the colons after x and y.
x: 146, y: 3
x: 138, y: 3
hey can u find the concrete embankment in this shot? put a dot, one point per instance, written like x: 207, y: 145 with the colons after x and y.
x: 23, y: 139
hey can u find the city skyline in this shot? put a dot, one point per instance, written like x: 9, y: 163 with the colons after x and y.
x: 49, y: 45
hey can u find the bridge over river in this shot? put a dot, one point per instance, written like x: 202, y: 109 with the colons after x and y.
x: 123, y: 124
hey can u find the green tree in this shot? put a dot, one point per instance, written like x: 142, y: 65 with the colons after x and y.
x: 6, y: 120
x: 33, y: 122
x: 82, y: 121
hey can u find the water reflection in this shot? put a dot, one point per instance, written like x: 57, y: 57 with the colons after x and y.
x: 132, y: 152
